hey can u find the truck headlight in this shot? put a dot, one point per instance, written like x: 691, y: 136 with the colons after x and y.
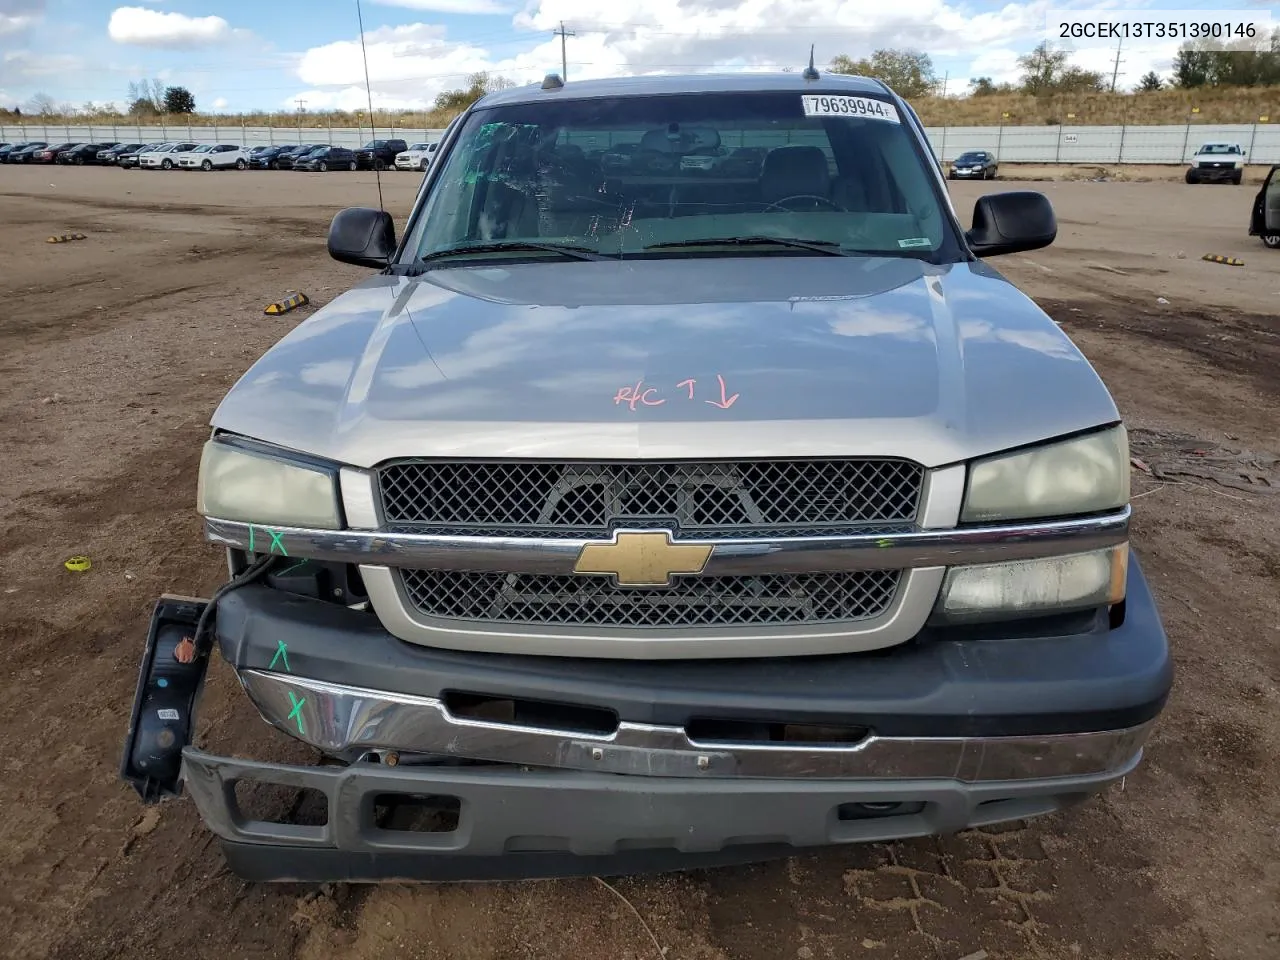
x: 252, y: 487
x: 1022, y: 588
x: 1087, y: 474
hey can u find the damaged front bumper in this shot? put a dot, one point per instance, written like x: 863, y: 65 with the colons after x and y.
x: 575, y: 766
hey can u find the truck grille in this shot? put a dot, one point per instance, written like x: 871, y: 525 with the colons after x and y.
x: 746, y: 498
x: 693, y: 602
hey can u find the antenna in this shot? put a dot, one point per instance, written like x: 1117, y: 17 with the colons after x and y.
x: 811, y: 72
x: 369, y: 92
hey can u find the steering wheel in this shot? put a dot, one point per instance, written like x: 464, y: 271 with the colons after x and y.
x: 781, y: 204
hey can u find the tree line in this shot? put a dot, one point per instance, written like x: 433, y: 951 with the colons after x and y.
x: 1047, y: 70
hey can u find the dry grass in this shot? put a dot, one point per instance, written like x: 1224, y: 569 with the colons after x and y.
x: 1225, y: 105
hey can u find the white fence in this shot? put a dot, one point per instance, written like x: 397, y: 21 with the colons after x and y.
x: 1061, y: 144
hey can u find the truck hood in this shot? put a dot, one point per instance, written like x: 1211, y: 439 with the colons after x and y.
x: 694, y: 357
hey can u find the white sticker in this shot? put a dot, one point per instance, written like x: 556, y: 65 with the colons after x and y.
x: 827, y: 106
x: 167, y: 714
x: 915, y: 242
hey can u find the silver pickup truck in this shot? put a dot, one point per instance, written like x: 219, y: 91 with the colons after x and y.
x: 699, y: 507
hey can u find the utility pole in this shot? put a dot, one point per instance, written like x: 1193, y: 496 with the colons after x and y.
x: 945, y: 77
x: 564, y: 59
x: 1116, y: 70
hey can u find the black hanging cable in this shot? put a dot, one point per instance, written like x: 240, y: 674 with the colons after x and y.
x: 369, y: 92
x: 203, y: 638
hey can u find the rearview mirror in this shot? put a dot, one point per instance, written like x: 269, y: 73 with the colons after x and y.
x: 1011, y: 222
x: 362, y: 236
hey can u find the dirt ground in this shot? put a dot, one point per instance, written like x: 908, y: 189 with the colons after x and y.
x: 114, y: 351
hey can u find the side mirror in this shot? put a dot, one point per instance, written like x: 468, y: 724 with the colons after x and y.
x: 362, y: 236
x: 1011, y: 222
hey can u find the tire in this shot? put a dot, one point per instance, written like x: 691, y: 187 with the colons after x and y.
x: 241, y: 164
x: 378, y: 164
x: 351, y: 166
x: 1191, y: 177
x: 1271, y: 241
x: 166, y: 164
x: 79, y: 161
x: 1237, y: 178
x: 207, y: 166
x: 422, y: 166
x: 322, y: 167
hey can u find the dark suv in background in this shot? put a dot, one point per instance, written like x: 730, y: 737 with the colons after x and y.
x: 285, y: 159
x: 379, y: 154
x: 83, y: 153
x: 7, y: 152
x: 323, y: 159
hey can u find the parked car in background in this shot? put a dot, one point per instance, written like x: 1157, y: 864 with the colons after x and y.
x: 111, y: 154
x: 128, y: 159
x: 165, y: 156
x: 83, y: 153
x: 286, y: 158
x: 26, y: 152
x: 215, y: 156
x: 324, y: 159
x: 417, y: 157
x: 974, y: 165
x: 8, y: 149
x: 1265, y: 219
x: 379, y: 154
x: 50, y: 153
x: 1217, y: 163
x: 263, y: 158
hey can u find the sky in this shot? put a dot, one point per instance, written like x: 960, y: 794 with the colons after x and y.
x: 280, y: 55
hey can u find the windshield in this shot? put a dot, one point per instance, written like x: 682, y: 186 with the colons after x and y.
x: 623, y: 176
x: 970, y: 158
x: 1219, y: 148
x: 374, y: 144
x: 203, y: 148
x: 418, y: 146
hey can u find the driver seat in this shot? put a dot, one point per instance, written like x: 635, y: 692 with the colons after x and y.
x: 795, y: 171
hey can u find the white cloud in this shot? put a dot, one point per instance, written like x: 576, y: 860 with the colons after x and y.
x: 410, y: 64
x: 19, y: 15
x: 449, y: 6
x: 14, y: 24
x: 220, y: 103
x: 152, y: 28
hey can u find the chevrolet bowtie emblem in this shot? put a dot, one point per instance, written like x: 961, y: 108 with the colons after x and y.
x: 642, y: 559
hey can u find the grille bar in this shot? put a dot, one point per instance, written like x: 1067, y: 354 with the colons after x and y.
x: 765, y: 497
x: 771, y: 600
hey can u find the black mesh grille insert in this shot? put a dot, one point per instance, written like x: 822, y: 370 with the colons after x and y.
x: 692, y: 602
x: 783, y: 497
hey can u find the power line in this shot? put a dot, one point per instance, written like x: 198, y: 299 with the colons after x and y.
x: 564, y: 59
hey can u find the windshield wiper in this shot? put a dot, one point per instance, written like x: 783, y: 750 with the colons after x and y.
x: 501, y: 246
x: 819, y: 246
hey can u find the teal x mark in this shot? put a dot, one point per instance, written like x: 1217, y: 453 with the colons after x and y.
x: 296, y: 713
x: 282, y: 653
x: 275, y: 541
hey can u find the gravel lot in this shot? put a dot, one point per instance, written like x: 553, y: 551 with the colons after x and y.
x: 114, y: 351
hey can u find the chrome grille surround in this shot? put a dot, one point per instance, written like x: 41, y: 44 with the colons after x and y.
x: 708, y: 498
x: 698, y: 601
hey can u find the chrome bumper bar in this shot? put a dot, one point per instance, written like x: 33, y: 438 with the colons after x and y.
x: 342, y: 719
x: 729, y: 557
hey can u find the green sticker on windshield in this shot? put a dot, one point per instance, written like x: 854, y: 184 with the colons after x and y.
x: 914, y: 242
